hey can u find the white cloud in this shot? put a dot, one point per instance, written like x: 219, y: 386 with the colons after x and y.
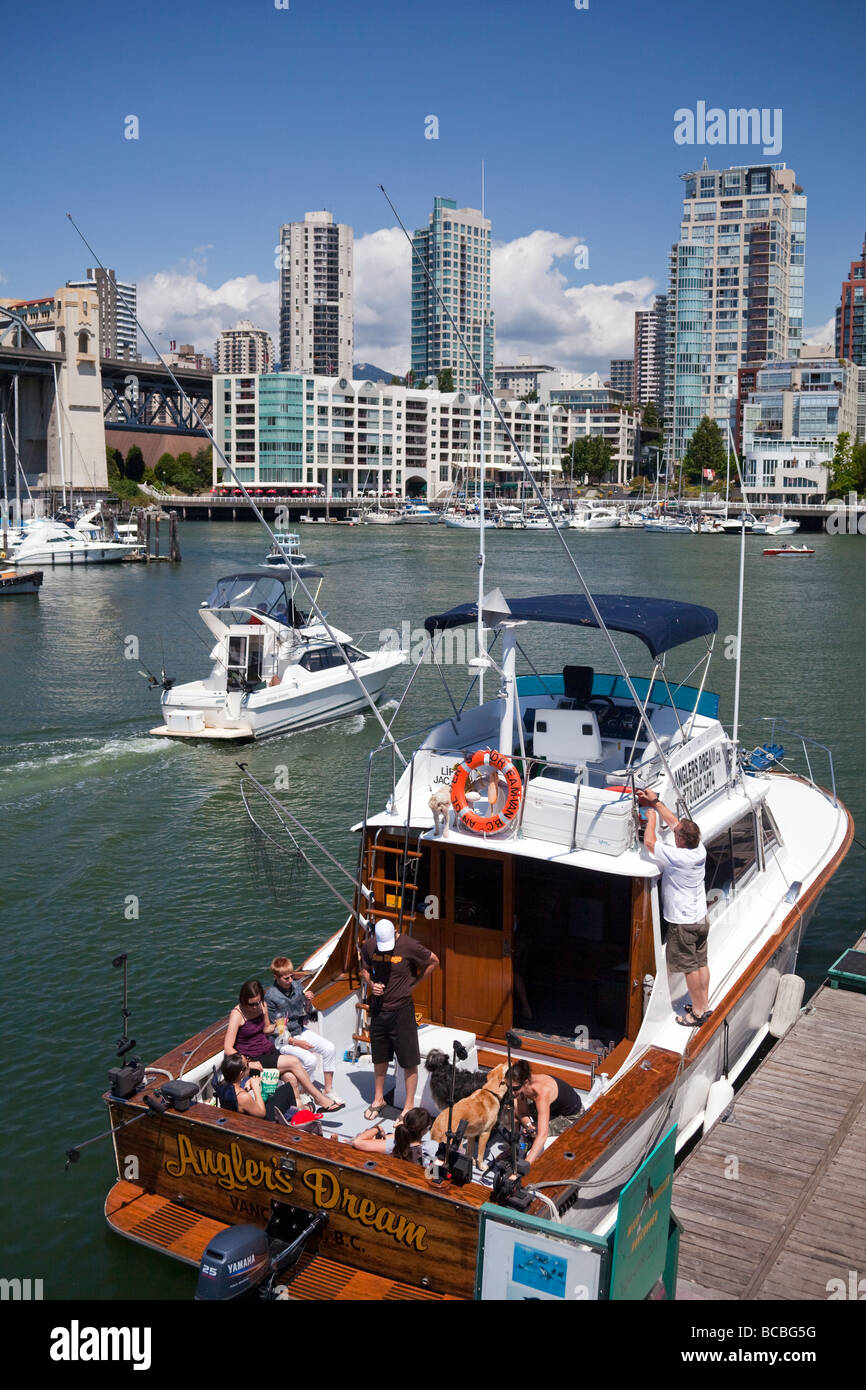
x: 544, y: 307
x: 824, y: 333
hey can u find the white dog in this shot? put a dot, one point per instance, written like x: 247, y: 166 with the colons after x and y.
x: 440, y: 805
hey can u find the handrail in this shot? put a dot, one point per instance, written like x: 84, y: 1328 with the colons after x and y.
x: 779, y: 721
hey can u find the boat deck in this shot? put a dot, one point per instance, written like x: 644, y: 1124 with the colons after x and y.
x: 773, y: 1201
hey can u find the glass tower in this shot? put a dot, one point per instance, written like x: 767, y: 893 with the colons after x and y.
x: 454, y: 251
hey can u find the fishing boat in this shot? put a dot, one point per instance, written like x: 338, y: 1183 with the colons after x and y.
x: 790, y: 550
x: 275, y: 668
x: 542, y: 905
x: 18, y: 582
x: 287, y: 544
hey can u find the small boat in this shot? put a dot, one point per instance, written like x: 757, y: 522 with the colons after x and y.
x: 419, y: 514
x: 55, y: 543
x: 778, y: 525
x: 790, y: 550
x: 291, y: 544
x: 274, y: 669
x: 594, y: 519
x: 467, y: 521
x: 16, y: 582
x: 671, y: 525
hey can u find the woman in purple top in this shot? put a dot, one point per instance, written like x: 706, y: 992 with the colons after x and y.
x: 249, y: 1034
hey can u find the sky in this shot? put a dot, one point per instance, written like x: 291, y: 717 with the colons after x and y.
x: 249, y: 115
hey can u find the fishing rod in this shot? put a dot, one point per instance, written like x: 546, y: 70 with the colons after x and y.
x: 296, y: 574
x: 599, y: 620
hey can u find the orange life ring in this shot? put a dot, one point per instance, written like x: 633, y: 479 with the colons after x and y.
x: 498, y: 762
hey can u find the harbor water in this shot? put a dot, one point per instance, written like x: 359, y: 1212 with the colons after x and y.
x: 116, y: 841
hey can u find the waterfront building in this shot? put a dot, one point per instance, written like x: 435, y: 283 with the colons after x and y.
x: 522, y: 379
x: 455, y: 251
x: 618, y: 424
x: 779, y: 471
x: 576, y: 388
x: 316, y: 296
x: 244, y: 350
x: 354, y: 438
x: 622, y: 377
x: 118, y: 308
x: 735, y: 294
x: 851, y: 313
x: 650, y: 334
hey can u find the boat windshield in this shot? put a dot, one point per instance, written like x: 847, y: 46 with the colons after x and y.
x: 264, y: 594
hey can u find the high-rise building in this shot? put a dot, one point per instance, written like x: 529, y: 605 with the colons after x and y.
x: 316, y: 303
x: 118, y: 308
x: 522, y: 378
x: 622, y: 377
x: 454, y: 250
x: 245, y: 350
x: 650, y: 331
x: 851, y: 314
x: 736, y: 290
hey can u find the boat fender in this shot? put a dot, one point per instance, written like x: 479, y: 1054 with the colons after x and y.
x: 465, y: 816
x: 719, y: 1097
x: 789, y: 997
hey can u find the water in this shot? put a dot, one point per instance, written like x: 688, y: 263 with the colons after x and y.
x: 97, y: 815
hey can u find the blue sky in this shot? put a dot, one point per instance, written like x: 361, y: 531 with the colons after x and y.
x: 249, y: 116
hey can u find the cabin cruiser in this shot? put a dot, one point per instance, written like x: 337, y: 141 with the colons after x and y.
x: 55, y: 543
x: 776, y: 524
x: 587, y: 518
x: 419, y: 514
x: 275, y: 669
x: 541, y: 902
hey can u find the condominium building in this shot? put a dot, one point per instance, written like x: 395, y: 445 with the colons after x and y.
x: 622, y: 376
x: 356, y: 437
x: 650, y: 334
x: 244, y: 349
x: 316, y: 296
x: 851, y: 313
x: 576, y: 388
x: 118, y: 308
x: 452, y: 256
x: 521, y: 379
x: 736, y: 290
x: 615, y: 423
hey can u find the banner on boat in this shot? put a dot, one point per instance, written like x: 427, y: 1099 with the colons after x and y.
x: 701, y: 774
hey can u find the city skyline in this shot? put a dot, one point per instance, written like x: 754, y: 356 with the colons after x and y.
x: 579, y: 151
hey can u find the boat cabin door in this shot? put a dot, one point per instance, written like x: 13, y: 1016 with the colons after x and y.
x: 245, y: 652
x: 476, y: 942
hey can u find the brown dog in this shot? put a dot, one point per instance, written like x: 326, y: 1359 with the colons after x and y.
x: 480, y: 1110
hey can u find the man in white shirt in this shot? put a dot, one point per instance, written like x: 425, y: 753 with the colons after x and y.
x: 684, y: 904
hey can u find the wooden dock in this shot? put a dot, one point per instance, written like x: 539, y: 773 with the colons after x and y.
x: 773, y: 1200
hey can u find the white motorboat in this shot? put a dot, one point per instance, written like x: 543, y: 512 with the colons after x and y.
x: 273, y: 670
x: 775, y: 524
x: 468, y: 521
x: 670, y: 526
x: 419, y: 514
x: 290, y: 542
x: 594, y: 519
x: 54, y: 543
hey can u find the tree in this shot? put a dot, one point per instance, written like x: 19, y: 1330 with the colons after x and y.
x: 651, y: 419
x: 397, y: 381
x: 848, y: 467
x: 590, y: 456
x: 530, y: 397
x: 706, y: 449
x: 445, y: 379
x: 134, y: 467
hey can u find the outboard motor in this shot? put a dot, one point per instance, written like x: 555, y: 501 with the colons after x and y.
x: 245, y: 1261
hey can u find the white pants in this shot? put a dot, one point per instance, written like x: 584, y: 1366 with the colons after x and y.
x: 321, y: 1048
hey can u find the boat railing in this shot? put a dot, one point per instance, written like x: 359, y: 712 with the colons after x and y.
x: 779, y: 728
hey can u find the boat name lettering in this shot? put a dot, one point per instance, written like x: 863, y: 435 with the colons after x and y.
x: 700, y: 775
x: 232, y: 1170
x: 328, y: 1193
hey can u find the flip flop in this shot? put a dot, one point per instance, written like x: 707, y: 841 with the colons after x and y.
x: 373, y: 1112
x: 331, y: 1109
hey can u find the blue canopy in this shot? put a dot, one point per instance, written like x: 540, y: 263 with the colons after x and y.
x: 660, y: 623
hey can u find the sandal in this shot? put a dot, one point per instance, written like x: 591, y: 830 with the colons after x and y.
x: 374, y: 1112
x: 332, y: 1108
x: 693, y: 1020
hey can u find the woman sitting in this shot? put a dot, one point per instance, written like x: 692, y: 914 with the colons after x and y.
x: 408, y: 1140
x: 241, y: 1090
x: 250, y: 1033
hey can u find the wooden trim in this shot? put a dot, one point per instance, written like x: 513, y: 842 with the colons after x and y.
x: 642, y: 957
x: 704, y: 1036
x: 491, y: 1053
x: 612, y: 1063
x: 159, y: 1224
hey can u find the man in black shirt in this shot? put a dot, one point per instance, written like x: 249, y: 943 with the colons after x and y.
x: 392, y: 966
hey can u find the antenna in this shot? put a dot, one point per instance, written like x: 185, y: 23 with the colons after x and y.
x: 296, y: 575
x: 599, y: 620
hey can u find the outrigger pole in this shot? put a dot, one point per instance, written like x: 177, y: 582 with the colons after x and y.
x: 600, y: 623
x: 278, y: 544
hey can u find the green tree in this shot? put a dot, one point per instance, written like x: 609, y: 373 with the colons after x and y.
x: 651, y: 419
x: 397, y: 381
x: 445, y: 379
x: 530, y: 397
x: 134, y: 467
x: 848, y: 467
x: 589, y: 456
x: 706, y: 449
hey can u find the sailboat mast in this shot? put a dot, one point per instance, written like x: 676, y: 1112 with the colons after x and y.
x: 482, y: 552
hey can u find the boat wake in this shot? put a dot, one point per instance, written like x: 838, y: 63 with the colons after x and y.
x: 53, y: 765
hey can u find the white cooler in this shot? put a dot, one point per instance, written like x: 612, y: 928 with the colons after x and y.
x: 433, y: 1036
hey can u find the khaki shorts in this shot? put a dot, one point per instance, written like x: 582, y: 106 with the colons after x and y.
x: 687, y: 945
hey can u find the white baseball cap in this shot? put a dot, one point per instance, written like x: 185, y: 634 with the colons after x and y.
x: 385, y: 935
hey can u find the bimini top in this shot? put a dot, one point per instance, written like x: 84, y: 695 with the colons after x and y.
x: 660, y: 623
